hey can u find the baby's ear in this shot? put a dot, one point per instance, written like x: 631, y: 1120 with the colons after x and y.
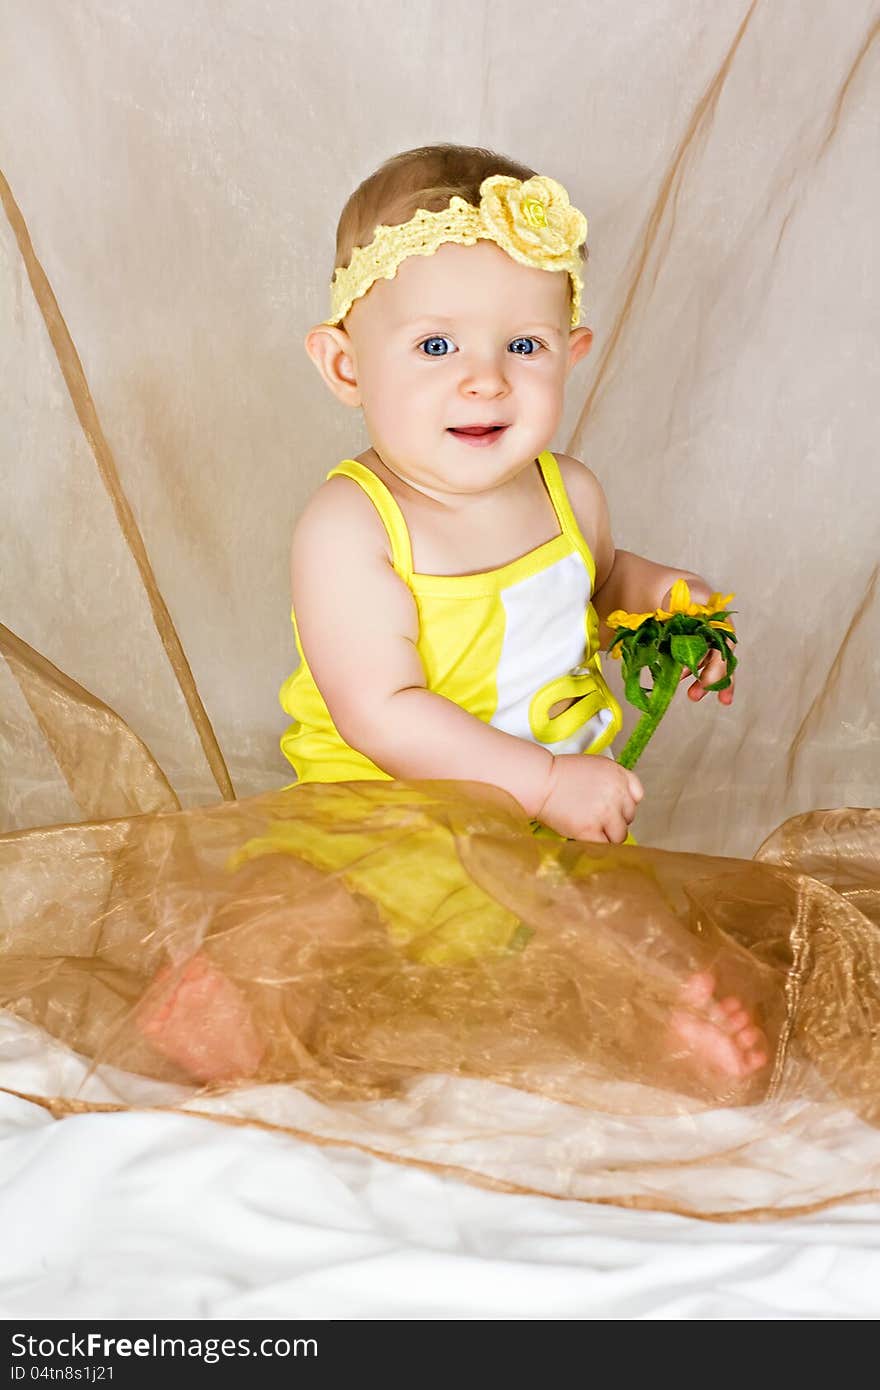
x: 333, y: 355
x: 580, y: 340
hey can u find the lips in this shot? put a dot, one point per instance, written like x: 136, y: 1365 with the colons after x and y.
x: 479, y: 436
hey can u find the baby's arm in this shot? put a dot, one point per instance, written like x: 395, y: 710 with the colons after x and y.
x: 358, y: 625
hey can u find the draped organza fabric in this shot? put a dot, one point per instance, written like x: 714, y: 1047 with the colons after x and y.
x: 196, y: 959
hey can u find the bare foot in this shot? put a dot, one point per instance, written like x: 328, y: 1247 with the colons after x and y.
x: 195, y: 1016
x: 720, y: 1035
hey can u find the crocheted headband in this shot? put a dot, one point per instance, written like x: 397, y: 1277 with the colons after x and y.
x: 532, y: 220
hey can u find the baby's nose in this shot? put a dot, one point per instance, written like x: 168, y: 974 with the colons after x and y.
x: 485, y: 376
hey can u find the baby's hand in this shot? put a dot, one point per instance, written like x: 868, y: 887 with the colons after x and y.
x: 590, y: 798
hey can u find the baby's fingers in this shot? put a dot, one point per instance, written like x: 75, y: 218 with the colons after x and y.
x: 711, y: 670
x: 616, y: 829
x: 634, y: 786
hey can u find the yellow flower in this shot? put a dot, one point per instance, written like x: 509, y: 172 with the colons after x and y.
x: 679, y: 602
x: 533, y: 221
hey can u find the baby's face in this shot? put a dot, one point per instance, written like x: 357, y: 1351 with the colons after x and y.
x: 467, y: 336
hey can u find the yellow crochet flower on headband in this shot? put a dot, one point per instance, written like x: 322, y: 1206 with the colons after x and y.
x: 532, y: 220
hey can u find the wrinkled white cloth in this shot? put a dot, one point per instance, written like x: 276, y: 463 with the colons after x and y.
x: 156, y: 1215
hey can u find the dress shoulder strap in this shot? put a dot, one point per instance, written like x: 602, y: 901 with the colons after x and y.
x: 389, y: 512
x: 552, y: 475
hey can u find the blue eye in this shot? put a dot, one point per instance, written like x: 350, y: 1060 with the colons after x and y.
x: 437, y: 338
x: 526, y: 340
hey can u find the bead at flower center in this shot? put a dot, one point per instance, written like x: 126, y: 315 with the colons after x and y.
x: 533, y: 212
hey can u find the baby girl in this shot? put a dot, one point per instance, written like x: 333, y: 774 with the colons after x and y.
x: 450, y: 584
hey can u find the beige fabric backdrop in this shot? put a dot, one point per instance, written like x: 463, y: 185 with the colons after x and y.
x: 174, y: 178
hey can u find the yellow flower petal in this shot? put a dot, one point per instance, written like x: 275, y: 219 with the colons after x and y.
x: 631, y: 620
x: 680, y: 601
x: 719, y: 601
x: 680, y: 597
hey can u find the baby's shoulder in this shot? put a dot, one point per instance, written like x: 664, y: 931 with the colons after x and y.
x: 340, y: 514
x: 586, y: 497
x: 578, y: 478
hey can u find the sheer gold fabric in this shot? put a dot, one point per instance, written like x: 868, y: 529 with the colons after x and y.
x: 194, y: 959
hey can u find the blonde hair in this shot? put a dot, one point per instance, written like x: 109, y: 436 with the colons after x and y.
x: 426, y: 177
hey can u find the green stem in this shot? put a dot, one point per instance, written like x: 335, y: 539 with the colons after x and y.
x: 664, y: 689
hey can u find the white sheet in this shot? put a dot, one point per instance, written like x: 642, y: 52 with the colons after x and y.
x: 151, y: 1215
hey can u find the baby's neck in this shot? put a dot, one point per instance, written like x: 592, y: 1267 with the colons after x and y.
x: 513, y: 490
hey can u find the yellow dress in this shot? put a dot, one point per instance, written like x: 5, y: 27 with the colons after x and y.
x: 506, y: 645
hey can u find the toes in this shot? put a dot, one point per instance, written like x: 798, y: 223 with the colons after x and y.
x: 750, y: 1060
x: 721, y: 1032
x: 735, y: 1014
x: 738, y: 1019
x: 737, y: 1022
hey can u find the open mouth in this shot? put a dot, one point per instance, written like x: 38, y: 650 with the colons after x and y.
x: 479, y: 434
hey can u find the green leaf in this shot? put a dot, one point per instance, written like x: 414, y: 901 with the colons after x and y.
x: 689, y: 651
x: 635, y: 694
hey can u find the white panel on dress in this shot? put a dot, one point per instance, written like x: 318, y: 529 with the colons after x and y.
x: 544, y: 638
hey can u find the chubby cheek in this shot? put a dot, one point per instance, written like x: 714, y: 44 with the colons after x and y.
x: 384, y: 404
x: 401, y: 399
x: 538, y: 403
x: 548, y: 402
